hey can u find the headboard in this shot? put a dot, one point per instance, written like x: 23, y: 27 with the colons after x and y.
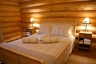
x: 61, y: 22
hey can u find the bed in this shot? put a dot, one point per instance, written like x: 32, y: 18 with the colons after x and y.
x: 16, y: 52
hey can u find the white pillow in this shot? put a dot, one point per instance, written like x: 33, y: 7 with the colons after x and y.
x: 48, y: 29
x: 64, y: 30
x: 49, y: 39
x: 45, y: 28
x: 30, y: 40
x: 71, y: 30
x: 61, y: 30
x: 55, y: 30
x: 41, y: 29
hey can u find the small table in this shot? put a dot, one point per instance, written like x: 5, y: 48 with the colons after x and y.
x: 85, y: 40
x: 30, y: 31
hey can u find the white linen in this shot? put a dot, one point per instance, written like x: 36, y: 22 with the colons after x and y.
x: 39, y: 36
x: 55, y: 30
x: 64, y: 30
x: 55, y: 49
x: 45, y: 28
x: 41, y: 29
x: 61, y: 30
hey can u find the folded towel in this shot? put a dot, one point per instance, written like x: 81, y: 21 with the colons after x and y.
x: 30, y: 40
x: 49, y: 39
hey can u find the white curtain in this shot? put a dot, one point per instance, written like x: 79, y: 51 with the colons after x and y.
x: 1, y: 36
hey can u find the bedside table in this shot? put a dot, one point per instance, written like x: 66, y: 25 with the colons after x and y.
x: 84, y: 40
x: 30, y: 31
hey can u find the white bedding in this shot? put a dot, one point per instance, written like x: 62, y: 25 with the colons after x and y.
x: 39, y: 36
x: 57, y: 50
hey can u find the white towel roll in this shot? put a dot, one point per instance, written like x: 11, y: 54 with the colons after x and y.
x: 49, y: 39
x: 30, y: 40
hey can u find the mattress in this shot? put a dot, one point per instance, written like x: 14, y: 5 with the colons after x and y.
x: 56, y: 50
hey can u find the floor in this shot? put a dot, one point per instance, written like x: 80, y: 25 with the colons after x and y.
x: 82, y: 57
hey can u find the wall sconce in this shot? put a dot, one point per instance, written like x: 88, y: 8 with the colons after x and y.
x: 32, y: 21
x: 86, y: 21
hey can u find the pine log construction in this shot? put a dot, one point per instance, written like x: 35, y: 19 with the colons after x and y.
x: 59, y: 10
x: 15, y: 18
x: 10, y: 20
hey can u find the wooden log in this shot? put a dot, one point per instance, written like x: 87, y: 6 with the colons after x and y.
x: 10, y: 19
x: 21, y: 1
x: 62, y: 14
x: 46, y: 2
x: 82, y: 27
x: 13, y: 0
x: 91, y: 24
x: 25, y: 25
x: 9, y: 13
x: 11, y: 36
x: 79, y: 20
x: 10, y: 29
x: 9, y: 24
x: 9, y: 8
x: 61, y: 7
x: 9, y: 2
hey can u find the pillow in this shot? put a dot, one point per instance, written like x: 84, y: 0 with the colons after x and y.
x: 48, y: 29
x: 30, y: 40
x: 71, y: 30
x: 64, y: 30
x: 49, y: 39
x: 55, y: 30
x: 45, y: 28
x: 41, y: 29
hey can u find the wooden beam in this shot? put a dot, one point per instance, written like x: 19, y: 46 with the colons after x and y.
x: 21, y: 1
x: 10, y: 19
x: 9, y: 14
x: 7, y: 2
x: 9, y: 8
x: 11, y: 29
x: 10, y: 24
x: 62, y: 7
x: 47, y: 2
x: 61, y: 14
x: 13, y: 0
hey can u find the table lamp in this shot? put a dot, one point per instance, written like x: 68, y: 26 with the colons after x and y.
x: 32, y: 21
x: 86, y: 21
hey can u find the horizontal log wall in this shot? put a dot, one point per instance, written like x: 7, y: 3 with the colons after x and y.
x: 10, y: 19
x: 59, y: 10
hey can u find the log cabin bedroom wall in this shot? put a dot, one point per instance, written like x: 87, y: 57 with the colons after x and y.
x: 10, y: 20
x: 59, y: 10
x: 16, y: 13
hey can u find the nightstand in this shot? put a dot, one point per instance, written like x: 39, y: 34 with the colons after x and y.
x: 84, y: 40
x: 30, y: 31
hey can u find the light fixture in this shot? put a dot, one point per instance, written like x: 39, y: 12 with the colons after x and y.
x: 32, y: 21
x: 86, y: 21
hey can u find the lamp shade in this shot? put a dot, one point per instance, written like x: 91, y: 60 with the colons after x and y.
x: 86, y: 20
x: 32, y: 20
